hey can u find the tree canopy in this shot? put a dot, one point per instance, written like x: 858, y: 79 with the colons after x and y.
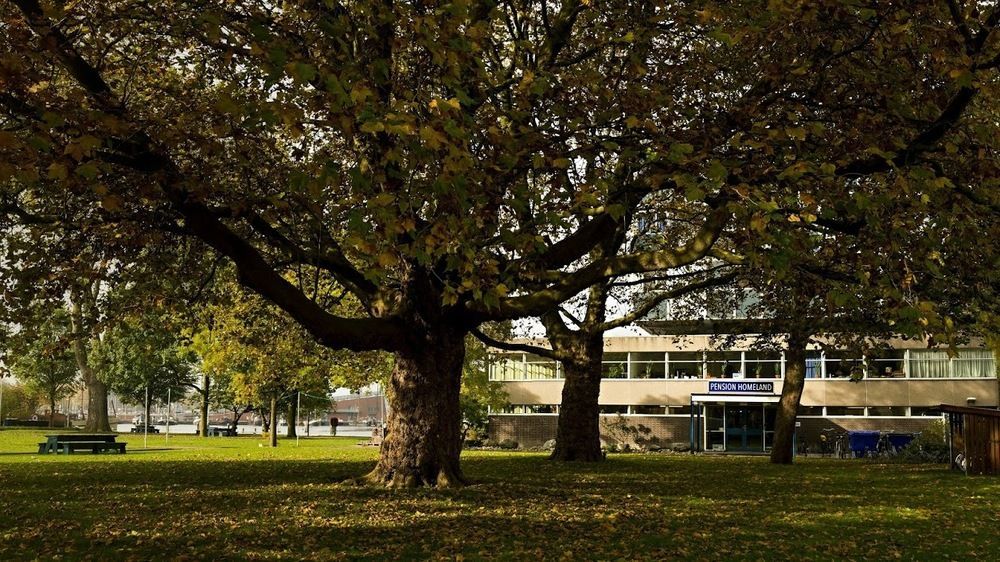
x: 451, y: 164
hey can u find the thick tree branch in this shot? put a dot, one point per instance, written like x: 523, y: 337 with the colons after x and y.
x: 645, y: 308
x: 541, y: 301
x: 332, y: 261
x: 253, y: 271
x: 509, y: 346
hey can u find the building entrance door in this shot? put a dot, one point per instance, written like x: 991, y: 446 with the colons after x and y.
x: 745, y: 427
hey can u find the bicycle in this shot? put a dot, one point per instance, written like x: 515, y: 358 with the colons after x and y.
x: 827, y: 439
x: 842, y: 446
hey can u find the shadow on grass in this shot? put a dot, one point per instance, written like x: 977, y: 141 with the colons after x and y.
x: 520, y: 506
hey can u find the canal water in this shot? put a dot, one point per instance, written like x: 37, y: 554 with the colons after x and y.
x: 243, y: 429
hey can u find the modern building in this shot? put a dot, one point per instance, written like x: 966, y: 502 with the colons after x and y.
x: 688, y: 389
x: 357, y: 409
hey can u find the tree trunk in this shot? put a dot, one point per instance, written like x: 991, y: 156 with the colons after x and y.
x: 97, y: 391
x: 293, y: 414
x: 146, y: 409
x: 273, y: 415
x: 97, y: 404
x: 206, y: 383
x: 578, y: 437
x: 782, y: 452
x: 52, y: 411
x: 423, y: 445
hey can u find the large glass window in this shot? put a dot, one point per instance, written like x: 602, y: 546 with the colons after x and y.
x: 974, y: 363
x: 531, y: 409
x: 648, y: 365
x: 814, y: 364
x: 810, y: 411
x: 685, y: 364
x: 614, y: 366
x: 507, y: 367
x: 649, y: 410
x: 762, y: 365
x: 613, y: 409
x: 538, y: 367
x: 886, y: 410
x: 842, y: 364
x: 929, y: 364
x: 886, y: 363
x: 723, y: 364
x: 845, y: 410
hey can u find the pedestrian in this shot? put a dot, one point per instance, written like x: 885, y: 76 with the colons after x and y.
x: 333, y: 425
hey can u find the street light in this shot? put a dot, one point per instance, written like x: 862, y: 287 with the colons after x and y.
x: 3, y: 373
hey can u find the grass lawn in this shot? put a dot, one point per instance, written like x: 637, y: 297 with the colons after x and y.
x: 228, y: 498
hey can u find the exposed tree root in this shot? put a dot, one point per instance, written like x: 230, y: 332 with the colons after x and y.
x: 443, y: 480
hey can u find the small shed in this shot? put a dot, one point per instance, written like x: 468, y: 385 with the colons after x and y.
x: 973, y: 439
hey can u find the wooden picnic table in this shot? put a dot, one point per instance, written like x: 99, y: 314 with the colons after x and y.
x: 147, y: 429
x: 217, y: 431
x: 66, y: 443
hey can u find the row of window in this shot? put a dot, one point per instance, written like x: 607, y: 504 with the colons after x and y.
x: 654, y: 410
x: 913, y: 363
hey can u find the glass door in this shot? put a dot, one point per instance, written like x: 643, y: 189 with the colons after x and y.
x: 770, y: 415
x: 745, y: 428
x: 715, y: 427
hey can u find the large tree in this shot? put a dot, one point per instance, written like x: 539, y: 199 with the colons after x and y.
x: 436, y: 160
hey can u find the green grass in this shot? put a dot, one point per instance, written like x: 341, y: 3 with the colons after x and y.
x: 228, y: 498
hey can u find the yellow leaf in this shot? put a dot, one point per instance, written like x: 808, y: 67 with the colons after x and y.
x: 431, y: 137
x: 57, y: 171
x: 387, y: 259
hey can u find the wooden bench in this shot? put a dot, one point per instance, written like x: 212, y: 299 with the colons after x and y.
x: 216, y: 431
x: 67, y: 443
x: 148, y: 429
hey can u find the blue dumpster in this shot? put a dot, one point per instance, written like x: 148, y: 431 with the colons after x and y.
x: 862, y: 442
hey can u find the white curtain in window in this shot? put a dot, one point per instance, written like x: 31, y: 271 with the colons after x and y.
x: 974, y: 363
x: 929, y: 364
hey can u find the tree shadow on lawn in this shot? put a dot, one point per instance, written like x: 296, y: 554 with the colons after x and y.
x: 521, y: 506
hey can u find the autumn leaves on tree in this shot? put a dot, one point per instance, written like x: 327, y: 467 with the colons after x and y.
x: 448, y: 165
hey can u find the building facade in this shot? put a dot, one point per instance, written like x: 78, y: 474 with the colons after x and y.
x: 689, y: 390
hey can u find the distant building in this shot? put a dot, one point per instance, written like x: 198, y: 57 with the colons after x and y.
x: 356, y: 409
x: 724, y: 399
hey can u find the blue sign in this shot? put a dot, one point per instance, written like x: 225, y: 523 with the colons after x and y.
x: 740, y: 386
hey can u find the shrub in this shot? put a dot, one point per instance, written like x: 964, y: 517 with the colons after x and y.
x: 507, y: 444
x: 929, y: 447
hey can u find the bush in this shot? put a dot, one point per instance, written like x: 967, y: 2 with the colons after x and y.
x: 507, y: 444
x: 468, y: 443
x: 928, y: 447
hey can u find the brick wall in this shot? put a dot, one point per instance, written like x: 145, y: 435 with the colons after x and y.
x: 534, y: 430
x: 810, y: 430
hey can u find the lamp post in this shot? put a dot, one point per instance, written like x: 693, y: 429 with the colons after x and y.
x: 167, y: 438
x: 3, y: 373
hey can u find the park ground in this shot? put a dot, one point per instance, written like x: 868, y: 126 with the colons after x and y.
x: 229, y: 498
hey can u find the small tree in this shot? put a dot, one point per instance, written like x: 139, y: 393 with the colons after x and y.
x: 145, y: 360
x: 43, y: 358
x: 19, y: 400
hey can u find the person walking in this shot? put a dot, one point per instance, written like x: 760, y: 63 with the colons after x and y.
x: 333, y: 425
